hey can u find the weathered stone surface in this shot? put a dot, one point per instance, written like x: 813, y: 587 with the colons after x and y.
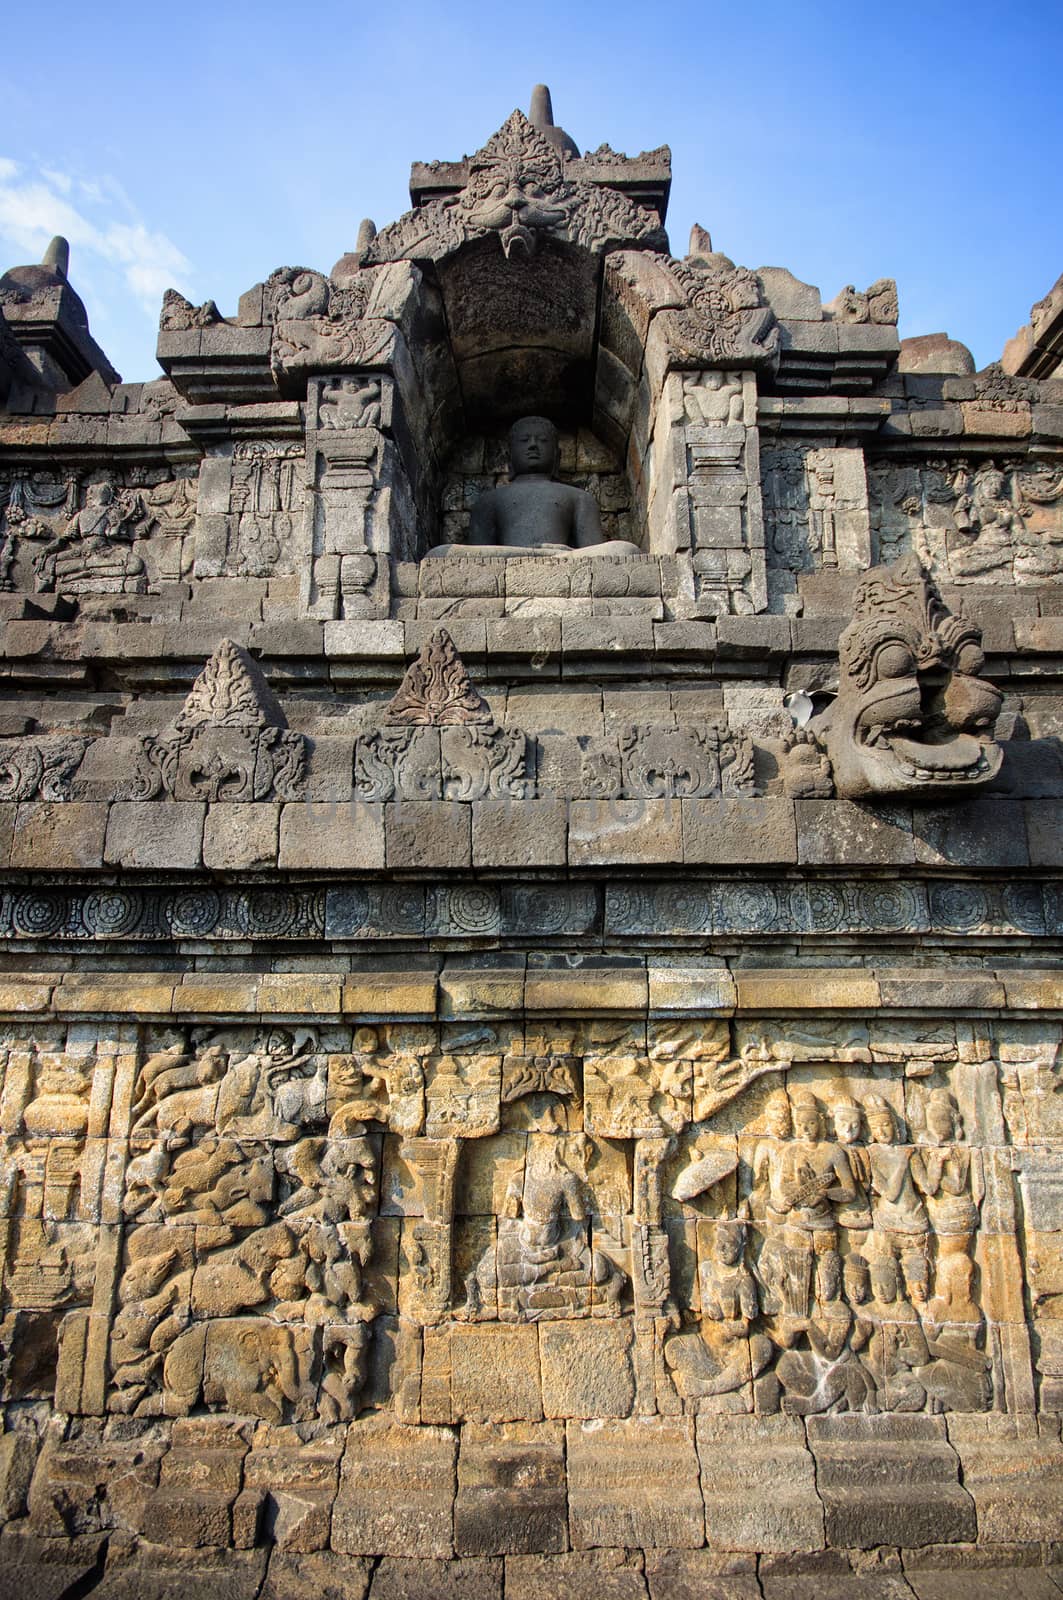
x: 59, y: 836
x: 511, y: 1490
x: 758, y: 1478
x: 586, y: 1372
x: 889, y: 1480
x: 700, y: 1575
x: 316, y: 1577
x: 636, y: 1481
x: 236, y: 837
x: 1013, y: 1471
x: 142, y: 834
x: 396, y: 1493
x: 477, y: 1579
x: 321, y: 835
x: 613, y: 1574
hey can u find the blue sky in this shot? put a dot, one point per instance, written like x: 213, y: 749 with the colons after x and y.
x: 205, y: 145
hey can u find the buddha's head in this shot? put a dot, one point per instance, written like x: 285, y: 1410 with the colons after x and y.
x: 533, y: 447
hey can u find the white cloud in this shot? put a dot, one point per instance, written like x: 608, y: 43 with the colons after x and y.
x: 35, y: 208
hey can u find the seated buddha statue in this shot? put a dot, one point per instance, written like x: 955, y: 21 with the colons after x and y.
x: 534, y: 514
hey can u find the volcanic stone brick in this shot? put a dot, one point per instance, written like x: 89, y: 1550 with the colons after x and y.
x: 1044, y: 831
x: 845, y: 833
x: 759, y: 1482
x: 519, y: 833
x: 321, y: 836
x: 241, y: 836
x: 829, y: 1586
x: 428, y: 833
x: 624, y: 832
x: 54, y: 837
x: 437, y: 1580
x: 494, y: 1372
x: 318, y: 1576
x: 889, y: 1480
x: 690, y: 989
x: 736, y: 831
x: 634, y: 1483
x: 155, y: 833
x: 593, y: 1575
x: 396, y: 1493
x: 1013, y: 1469
x: 701, y: 1575
x: 984, y: 832
x: 983, y: 1583
x: 511, y: 1490
x: 586, y: 1368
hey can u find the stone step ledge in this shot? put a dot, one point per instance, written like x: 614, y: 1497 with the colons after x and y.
x: 451, y: 835
x: 459, y: 994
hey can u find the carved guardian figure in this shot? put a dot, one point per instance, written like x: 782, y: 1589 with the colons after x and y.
x: 912, y: 715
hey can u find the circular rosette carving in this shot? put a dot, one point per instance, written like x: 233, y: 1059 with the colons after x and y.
x: 628, y: 909
x: 109, y: 913
x: 195, y: 913
x: 889, y: 906
x: 748, y: 907
x: 267, y: 913
x: 467, y: 910
x: 826, y: 907
x: 1024, y: 907
x: 958, y: 907
x: 37, y: 915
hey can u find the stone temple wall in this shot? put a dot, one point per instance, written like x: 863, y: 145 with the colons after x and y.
x: 530, y: 1070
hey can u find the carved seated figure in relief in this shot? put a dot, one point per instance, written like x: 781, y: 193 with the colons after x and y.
x: 724, y: 1353
x: 547, y: 1266
x: 534, y: 514
x: 912, y: 715
x: 89, y: 555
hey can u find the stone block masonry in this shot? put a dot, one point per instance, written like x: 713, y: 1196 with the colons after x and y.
x: 531, y: 998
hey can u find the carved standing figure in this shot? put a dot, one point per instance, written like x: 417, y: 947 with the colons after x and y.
x: 897, y: 1207
x: 947, y: 1176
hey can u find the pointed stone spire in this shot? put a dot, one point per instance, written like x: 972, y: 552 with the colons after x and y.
x: 437, y: 690
x: 700, y: 242
x: 57, y: 257
x: 541, y: 117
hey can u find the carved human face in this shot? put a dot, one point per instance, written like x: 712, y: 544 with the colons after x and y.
x: 940, y: 1121
x: 847, y: 1123
x: 857, y: 1287
x: 880, y: 1127
x: 808, y: 1123
x: 884, y: 1281
x: 533, y: 447
x: 729, y: 1244
x: 829, y: 1276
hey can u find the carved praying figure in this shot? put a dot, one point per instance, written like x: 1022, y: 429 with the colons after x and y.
x: 534, y: 513
x: 943, y: 1170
